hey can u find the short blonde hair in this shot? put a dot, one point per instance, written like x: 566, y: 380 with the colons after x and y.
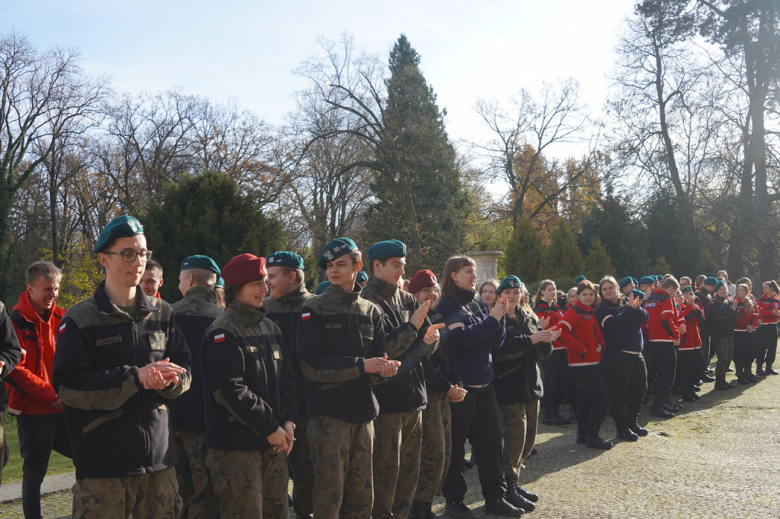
x: 42, y: 269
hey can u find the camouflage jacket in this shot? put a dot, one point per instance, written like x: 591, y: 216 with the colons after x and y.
x: 194, y: 314
x: 517, y: 375
x: 285, y: 313
x: 10, y: 350
x: 249, y: 385
x: 337, y: 332
x: 405, y: 392
x: 118, y: 428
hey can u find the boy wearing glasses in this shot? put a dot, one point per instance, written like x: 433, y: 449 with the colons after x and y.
x: 120, y: 356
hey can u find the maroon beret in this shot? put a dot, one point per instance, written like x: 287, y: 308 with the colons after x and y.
x: 424, y: 278
x: 243, y: 269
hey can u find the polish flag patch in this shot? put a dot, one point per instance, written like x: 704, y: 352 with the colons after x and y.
x: 219, y: 338
x: 305, y: 316
x: 62, y: 328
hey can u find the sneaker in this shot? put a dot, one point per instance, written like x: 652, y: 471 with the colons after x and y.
x: 458, y: 510
x: 502, y: 507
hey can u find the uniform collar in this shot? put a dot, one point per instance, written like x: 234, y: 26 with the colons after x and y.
x: 295, y: 296
x: 105, y: 305
x: 385, y: 289
x: 464, y: 297
x: 201, y: 293
x: 340, y: 295
x: 586, y: 308
x: 246, y: 313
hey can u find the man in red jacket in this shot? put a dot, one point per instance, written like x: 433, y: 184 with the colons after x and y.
x: 41, y: 424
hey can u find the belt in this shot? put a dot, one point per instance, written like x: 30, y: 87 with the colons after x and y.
x: 479, y: 387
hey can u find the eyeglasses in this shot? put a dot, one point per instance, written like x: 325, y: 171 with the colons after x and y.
x: 128, y: 256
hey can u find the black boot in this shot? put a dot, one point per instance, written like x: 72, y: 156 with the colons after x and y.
x: 458, y: 510
x: 759, y: 371
x: 582, y: 432
x: 503, y: 507
x: 658, y: 410
x: 557, y: 414
x: 514, y: 498
x: 526, y: 494
x: 594, y: 441
x: 418, y: 510
x: 720, y: 383
x: 624, y: 433
x: 687, y: 397
x: 692, y: 392
x: 637, y: 429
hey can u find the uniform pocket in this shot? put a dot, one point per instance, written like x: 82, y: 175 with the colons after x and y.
x: 86, y: 503
x: 97, y: 422
x: 367, y: 331
x: 157, y: 341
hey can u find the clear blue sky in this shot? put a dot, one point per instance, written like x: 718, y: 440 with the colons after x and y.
x: 248, y: 49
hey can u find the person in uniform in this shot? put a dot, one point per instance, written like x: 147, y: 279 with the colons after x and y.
x: 704, y: 293
x: 288, y: 294
x: 31, y: 396
x: 769, y: 310
x: 519, y: 384
x: 194, y: 314
x: 342, y: 351
x: 721, y: 315
x: 152, y: 279
x: 249, y: 388
x: 10, y: 355
x: 321, y: 288
x: 362, y: 279
x: 120, y: 358
x: 398, y: 429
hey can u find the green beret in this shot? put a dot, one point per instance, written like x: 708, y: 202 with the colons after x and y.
x: 625, y: 282
x: 658, y: 277
x: 335, y: 249
x: 636, y: 283
x: 647, y: 280
x: 638, y: 293
x: 687, y: 289
x: 119, y: 227
x: 220, y: 282
x: 711, y: 281
x: 200, y: 262
x: 284, y: 258
x: 322, y: 287
x: 387, y: 249
x: 579, y: 280
x: 509, y: 282
x: 362, y: 276
x: 719, y: 284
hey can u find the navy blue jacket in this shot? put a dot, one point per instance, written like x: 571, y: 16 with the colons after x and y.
x: 621, y: 325
x: 475, y: 340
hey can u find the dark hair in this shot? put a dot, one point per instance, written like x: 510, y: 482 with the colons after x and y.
x: 586, y: 285
x: 220, y: 293
x: 699, y: 280
x: 454, y: 264
x: 231, y: 291
x: 745, y: 281
x: 773, y: 285
x: 371, y: 264
x: 298, y: 273
x: 542, y: 287
x: 153, y: 265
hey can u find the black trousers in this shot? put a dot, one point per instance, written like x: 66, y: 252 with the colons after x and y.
x: 592, y: 394
x: 627, y: 375
x: 38, y: 436
x: 571, y: 387
x: 690, y: 367
x: 767, y: 345
x: 743, y: 350
x: 555, y: 371
x: 664, y: 356
x: 478, y: 420
x: 705, y: 347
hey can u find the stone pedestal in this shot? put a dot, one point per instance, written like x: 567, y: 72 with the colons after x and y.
x: 487, y: 264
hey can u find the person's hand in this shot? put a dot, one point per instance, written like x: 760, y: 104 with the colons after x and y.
x: 57, y: 404
x: 390, y: 368
x: 432, y: 333
x: 456, y: 325
x: 599, y: 348
x: 544, y: 322
x: 278, y: 440
x: 749, y: 329
x: 554, y: 334
x: 418, y: 317
x: 499, y: 310
x: 759, y: 323
x: 289, y: 429
x: 382, y: 366
x: 541, y: 336
x: 456, y: 394
x: 682, y: 328
x: 158, y: 375
x: 634, y: 301
x: 734, y: 304
x: 677, y: 342
x: 775, y: 312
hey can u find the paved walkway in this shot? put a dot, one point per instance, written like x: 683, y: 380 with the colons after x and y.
x: 720, y: 457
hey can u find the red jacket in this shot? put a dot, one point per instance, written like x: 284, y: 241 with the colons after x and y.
x: 692, y: 315
x: 555, y: 313
x: 765, y: 308
x: 581, y: 334
x: 662, y: 325
x: 745, y: 318
x: 30, y: 390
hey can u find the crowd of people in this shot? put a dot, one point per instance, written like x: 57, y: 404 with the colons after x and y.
x: 364, y: 393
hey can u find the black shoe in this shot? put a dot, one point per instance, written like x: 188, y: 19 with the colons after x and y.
x: 519, y: 501
x: 743, y: 380
x: 627, y: 435
x: 730, y: 370
x: 687, y: 397
x: 638, y: 430
x: 526, y: 494
x: 670, y: 406
x: 502, y: 507
x: 582, y: 433
x: 598, y: 443
x: 753, y: 378
x: 661, y: 412
x: 696, y: 389
x: 458, y: 510
x: 468, y: 464
x: 420, y: 510
x: 707, y: 378
x: 534, y: 452
x: 709, y: 371
x: 692, y: 393
x: 557, y: 414
x: 770, y: 371
x: 731, y: 384
x: 722, y: 386
x: 555, y: 420
x: 760, y: 372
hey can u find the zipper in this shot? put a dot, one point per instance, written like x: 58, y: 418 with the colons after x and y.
x: 147, y: 449
x: 365, y: 357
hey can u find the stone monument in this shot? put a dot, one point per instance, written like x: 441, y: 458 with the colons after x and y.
x: 487, y: 264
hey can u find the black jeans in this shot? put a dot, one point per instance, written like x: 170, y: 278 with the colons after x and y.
x: 665, y: 365
x: 478, y: 420
x: 628, y: 375
x: 592, y: 394
x: 767, y: 345
x: 556, y: 368
x: 38, y: 436
x: 743, y: 351
x: 690, y: 368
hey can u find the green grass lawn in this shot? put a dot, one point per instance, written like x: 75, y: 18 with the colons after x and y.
x: 58, y: 464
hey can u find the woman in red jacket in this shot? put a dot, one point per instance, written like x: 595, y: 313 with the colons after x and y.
x: 690, y: 359
x: 555, y: 367
x: 581, y: 334
x: 743, y: 330
x: 769, y: 309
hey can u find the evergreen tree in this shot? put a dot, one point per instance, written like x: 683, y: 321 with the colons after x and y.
x: 598, y: 263
x: 206, y: 214
x: 524, y: 252
x: 564, y: 259
x: 419, y: 196
x: 661, y: 267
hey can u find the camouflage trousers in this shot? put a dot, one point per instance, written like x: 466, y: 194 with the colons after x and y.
x: 199, y: 499
x: 519, y: 424
x: 341, y: 456
x: 436, y: 447
x: 250, y: 484
x: 724, y: 348
x: 397, y: 447
x: 148, y: 496
x: 302, y: 471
